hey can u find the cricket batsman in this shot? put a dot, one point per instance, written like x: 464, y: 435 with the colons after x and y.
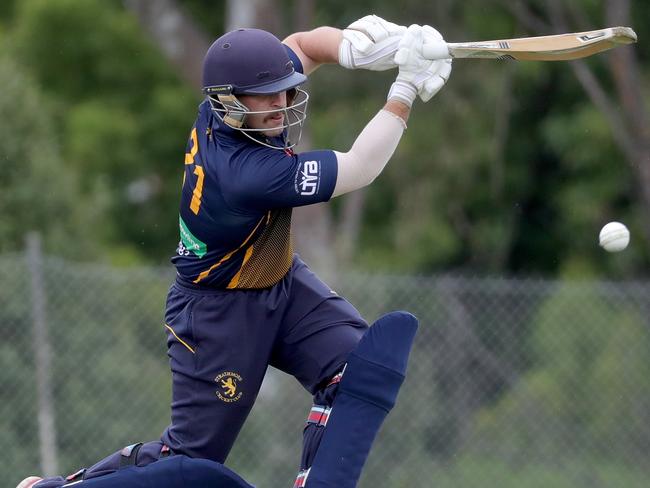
x: 242, y: 299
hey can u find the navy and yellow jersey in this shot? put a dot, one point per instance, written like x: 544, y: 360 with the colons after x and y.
x: 235, y: 211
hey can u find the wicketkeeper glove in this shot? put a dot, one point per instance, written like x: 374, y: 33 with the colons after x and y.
x: 370, y: 43
x: 417, y: 75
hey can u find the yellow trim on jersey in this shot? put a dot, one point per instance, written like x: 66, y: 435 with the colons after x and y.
x: 204, y: 274
x: 180, y: 340
x: 235, y: 279
x: 249, y: 252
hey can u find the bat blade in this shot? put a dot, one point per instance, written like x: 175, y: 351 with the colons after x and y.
x: 560, y: 47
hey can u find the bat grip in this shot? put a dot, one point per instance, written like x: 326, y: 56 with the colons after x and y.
x: 436, y: 50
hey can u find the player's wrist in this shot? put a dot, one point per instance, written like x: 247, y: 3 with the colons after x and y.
x: 345, y: 58
x: 403, y: 91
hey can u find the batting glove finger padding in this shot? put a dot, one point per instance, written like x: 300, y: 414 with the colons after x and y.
x: 439, y: 74
x: 377, y: 28
x: 426, y: 77
x: 434, y: 46
x: 370, y: 43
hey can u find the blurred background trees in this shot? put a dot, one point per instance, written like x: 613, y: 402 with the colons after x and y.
x: 512, y: 168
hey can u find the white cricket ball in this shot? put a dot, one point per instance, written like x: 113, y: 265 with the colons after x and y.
x: 614, y: 237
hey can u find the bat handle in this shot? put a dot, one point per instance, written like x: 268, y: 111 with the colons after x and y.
x: 436, y: 51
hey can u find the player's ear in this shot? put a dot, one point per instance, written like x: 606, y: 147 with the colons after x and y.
x: 291, y: 96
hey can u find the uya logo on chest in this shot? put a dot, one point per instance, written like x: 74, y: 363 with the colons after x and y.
x: 228, y: 383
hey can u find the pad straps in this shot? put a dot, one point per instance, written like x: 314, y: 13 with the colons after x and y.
x: 129, y: 455
x: 319, y: 415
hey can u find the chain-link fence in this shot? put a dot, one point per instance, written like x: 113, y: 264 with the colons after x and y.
x: 512, y: 383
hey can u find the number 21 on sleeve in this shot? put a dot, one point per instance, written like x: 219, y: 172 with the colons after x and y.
x: 195, y: 204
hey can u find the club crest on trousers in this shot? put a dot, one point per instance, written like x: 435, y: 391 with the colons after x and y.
x: 228, y: 383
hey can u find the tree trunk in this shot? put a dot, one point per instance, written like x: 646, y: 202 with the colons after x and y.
x: 624, y: 66
x: 312, y: 225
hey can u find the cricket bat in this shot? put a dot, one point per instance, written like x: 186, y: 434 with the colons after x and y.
x: 560, y: 47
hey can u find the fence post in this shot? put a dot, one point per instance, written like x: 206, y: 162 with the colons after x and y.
x: 43, y: 357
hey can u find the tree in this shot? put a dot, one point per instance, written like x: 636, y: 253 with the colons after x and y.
x: 121, y: 119
x: 38, y: 191
x: 509, y: 169
x: 616, y: 91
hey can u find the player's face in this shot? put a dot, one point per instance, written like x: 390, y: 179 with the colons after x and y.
x: 273, y: 122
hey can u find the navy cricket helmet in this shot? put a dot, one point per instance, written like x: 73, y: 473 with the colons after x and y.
x: 253, y: 62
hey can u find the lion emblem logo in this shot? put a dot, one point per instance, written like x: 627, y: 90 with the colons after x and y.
x: 228, y: 382
x: 229, y: 387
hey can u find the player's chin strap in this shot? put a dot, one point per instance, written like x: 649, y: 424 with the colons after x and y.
x: 232, y: 112
x: 367, y: 392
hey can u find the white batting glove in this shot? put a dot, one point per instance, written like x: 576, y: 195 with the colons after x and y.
x: 370, y: 43
x: 434, y: 45
x: 417, y: 75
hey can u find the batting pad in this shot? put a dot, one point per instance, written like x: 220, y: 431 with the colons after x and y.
x: 373, y: 376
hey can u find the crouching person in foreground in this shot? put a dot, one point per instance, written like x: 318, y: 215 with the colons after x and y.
x: 145, y: 465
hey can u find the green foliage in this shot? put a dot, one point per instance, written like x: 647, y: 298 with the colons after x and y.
x: 210, y: 15
x: 124, y: 118
x: 7, y: 8
x: 503, y: 171
x: 571, y: 472
x: 91, y: 125
x: 510, y: 168
x: 103, y: 54
x: 38, y: 191
x: 576, y: 388
x: 593, y: 164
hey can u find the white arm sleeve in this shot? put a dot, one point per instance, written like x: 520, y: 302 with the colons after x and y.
x: 369, y: 154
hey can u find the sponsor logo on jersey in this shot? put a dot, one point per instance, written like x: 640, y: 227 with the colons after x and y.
x: 309, y: 178
x: 228, y: 382
x: 189, y: 242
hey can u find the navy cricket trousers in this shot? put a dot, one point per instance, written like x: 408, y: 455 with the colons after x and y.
x: 220, y: 343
